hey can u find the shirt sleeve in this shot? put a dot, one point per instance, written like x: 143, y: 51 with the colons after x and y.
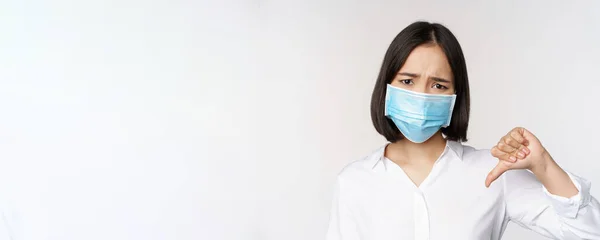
x: 529, y: 204
x: 342, y: 224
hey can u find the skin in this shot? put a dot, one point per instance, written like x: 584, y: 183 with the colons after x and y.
x: 427, y: 70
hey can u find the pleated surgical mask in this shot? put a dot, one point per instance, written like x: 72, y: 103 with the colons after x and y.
x: 418, y: 115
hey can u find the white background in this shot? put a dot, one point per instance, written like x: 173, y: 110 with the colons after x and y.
x: 131, y: 119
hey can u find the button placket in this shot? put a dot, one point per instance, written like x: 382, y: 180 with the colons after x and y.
x: 421, y: 216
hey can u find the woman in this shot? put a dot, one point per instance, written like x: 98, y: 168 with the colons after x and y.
x: 424, y: 184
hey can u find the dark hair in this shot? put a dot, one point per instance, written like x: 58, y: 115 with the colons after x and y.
x: 408, y: 39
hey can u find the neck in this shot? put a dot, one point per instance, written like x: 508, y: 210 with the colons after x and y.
x: 409, y: 152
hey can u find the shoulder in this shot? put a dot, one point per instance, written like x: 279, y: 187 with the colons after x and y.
x: 362, y: 167
x: 478, y: 157
x: 360, y: 176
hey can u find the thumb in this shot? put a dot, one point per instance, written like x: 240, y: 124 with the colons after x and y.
x: 495, y: 173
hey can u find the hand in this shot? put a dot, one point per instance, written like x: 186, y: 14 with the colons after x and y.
x: 519, y: 149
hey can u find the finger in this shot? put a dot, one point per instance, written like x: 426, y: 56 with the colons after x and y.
x: 510, y: 153
x: 504, y: 156
x: 496, y: 173
x: 507, y: 148
x: 516, y: 149
x: 519, y: 135
x: 516, y: 138
x: 509, y: 140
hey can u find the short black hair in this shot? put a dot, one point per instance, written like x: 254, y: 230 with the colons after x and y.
x: 409, y: 38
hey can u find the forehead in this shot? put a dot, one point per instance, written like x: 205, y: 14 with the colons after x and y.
x: 428, y: 60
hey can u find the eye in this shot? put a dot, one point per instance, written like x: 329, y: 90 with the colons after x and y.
x: 406, y: 81
x: 439, y: 86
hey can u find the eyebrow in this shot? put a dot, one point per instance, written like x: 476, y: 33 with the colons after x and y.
x: 437, y: 79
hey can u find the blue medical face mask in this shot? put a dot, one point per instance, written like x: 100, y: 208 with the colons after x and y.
x: 418, y: 115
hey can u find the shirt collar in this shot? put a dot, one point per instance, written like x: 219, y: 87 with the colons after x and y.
x: 376, y: 159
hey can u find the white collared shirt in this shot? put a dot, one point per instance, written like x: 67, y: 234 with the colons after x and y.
x: 375, y: 200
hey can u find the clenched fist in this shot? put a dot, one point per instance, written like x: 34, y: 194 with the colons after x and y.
x: 519, y: 149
